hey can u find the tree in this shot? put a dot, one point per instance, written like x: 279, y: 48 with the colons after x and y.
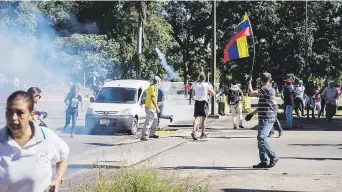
x: 191, y: 25
x: 88, y: 55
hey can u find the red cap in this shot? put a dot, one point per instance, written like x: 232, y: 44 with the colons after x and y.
x: 288, y: 80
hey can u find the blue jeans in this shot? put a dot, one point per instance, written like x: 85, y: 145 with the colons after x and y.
x: 276, y: 125
x: 161, y: 114
x: 265, y: 151
x: 288, y: 113
x: 71, y: 115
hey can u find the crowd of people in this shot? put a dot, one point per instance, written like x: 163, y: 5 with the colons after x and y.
x: 309, y: 98
x: 26, y: 132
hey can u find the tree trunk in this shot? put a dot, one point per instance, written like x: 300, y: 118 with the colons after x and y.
x: 185, y: 66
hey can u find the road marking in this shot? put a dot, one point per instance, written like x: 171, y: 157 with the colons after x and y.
x: 164, y: 133
x: 214, y: 122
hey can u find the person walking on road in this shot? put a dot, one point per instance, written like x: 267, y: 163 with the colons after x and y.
x: 310, y: 100
x: 38, y: 115
x: 200, y: 92
x: 161, y: 99
x: 152, y: 110
x: 289, y: 95
x: 318, y: 100
x: 73, y: 101
x: 299, y: 100
x: 330, y: 95
x: 266, y: 116
x: 233, y: 97
x: 190, y: 93
x: 322, y: 111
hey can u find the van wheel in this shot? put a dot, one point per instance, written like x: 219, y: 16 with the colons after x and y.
x: 134, y: 128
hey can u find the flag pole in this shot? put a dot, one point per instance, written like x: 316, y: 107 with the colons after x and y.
x: 246, y: 105
x: 250, y: 25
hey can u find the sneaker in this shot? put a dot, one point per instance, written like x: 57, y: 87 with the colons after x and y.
x: 203, y: 135
x: 154, y: 137
x: 271, y: 133
x: 273, y: 162
x: 193, y: 135
x: 171, y: 118
x: 143, y: 139
x: 234, y: 127
x: 260, y: 166
x: 280, y: 134
x: 65, y: 126
x: 240, y: 126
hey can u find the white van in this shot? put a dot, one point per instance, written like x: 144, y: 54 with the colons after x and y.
x: 118, y: 107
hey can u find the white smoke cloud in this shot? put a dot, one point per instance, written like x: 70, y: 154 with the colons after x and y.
x: 28, y: 46
x: 168, y: 68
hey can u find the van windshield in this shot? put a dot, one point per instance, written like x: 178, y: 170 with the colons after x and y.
x: 116, y: 95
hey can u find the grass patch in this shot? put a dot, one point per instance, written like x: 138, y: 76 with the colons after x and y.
x: 139, y: 180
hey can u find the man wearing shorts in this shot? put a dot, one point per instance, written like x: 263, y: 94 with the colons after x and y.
x: 200, y: 93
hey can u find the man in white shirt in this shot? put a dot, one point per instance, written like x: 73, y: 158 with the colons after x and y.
x: 300, y: 98
x: 200, y: 94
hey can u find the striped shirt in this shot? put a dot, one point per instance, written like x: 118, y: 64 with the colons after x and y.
x: 267, y: 103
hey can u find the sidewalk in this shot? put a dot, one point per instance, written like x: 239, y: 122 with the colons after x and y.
x: 310, y: 160
x: 124, y: 153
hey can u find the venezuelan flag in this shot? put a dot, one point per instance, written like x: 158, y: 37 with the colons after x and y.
x: 237, y: 46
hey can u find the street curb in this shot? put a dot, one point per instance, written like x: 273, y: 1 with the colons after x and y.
x: 180, y: 125
x: 191, y: 125
x: 95, y: 165
x: 99, y: 149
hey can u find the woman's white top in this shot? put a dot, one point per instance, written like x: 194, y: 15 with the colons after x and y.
x: 29, y: 169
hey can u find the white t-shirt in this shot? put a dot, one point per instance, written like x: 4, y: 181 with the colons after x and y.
x: 29, y: 168
x: 201, y: 90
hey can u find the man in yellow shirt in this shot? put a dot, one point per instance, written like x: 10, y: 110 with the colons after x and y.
x: 151, y: 109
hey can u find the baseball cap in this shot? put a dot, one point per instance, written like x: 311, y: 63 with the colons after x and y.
x: 288, y: 80
x: 156, y: 79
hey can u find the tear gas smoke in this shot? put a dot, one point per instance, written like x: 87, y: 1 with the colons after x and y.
x: 168, y: 68
x: 28, y: 48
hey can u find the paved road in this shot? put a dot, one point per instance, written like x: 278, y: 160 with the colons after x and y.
x: 83, y: 142
x: 310, y: 159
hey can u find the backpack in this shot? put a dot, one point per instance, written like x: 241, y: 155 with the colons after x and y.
x: 233, y: 97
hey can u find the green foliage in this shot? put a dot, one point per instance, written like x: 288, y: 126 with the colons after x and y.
x: 88, y: 54
x: 182, y: 31
x: 139, y: 180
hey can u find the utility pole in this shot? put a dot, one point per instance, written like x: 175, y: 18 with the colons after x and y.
x: 213, y: 54
x: 306, y: 32
x: 139, y: 47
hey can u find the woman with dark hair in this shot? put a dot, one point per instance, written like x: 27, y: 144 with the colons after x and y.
x: 28, y: 150
x: 72, y: 102
x: 38, y: 115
